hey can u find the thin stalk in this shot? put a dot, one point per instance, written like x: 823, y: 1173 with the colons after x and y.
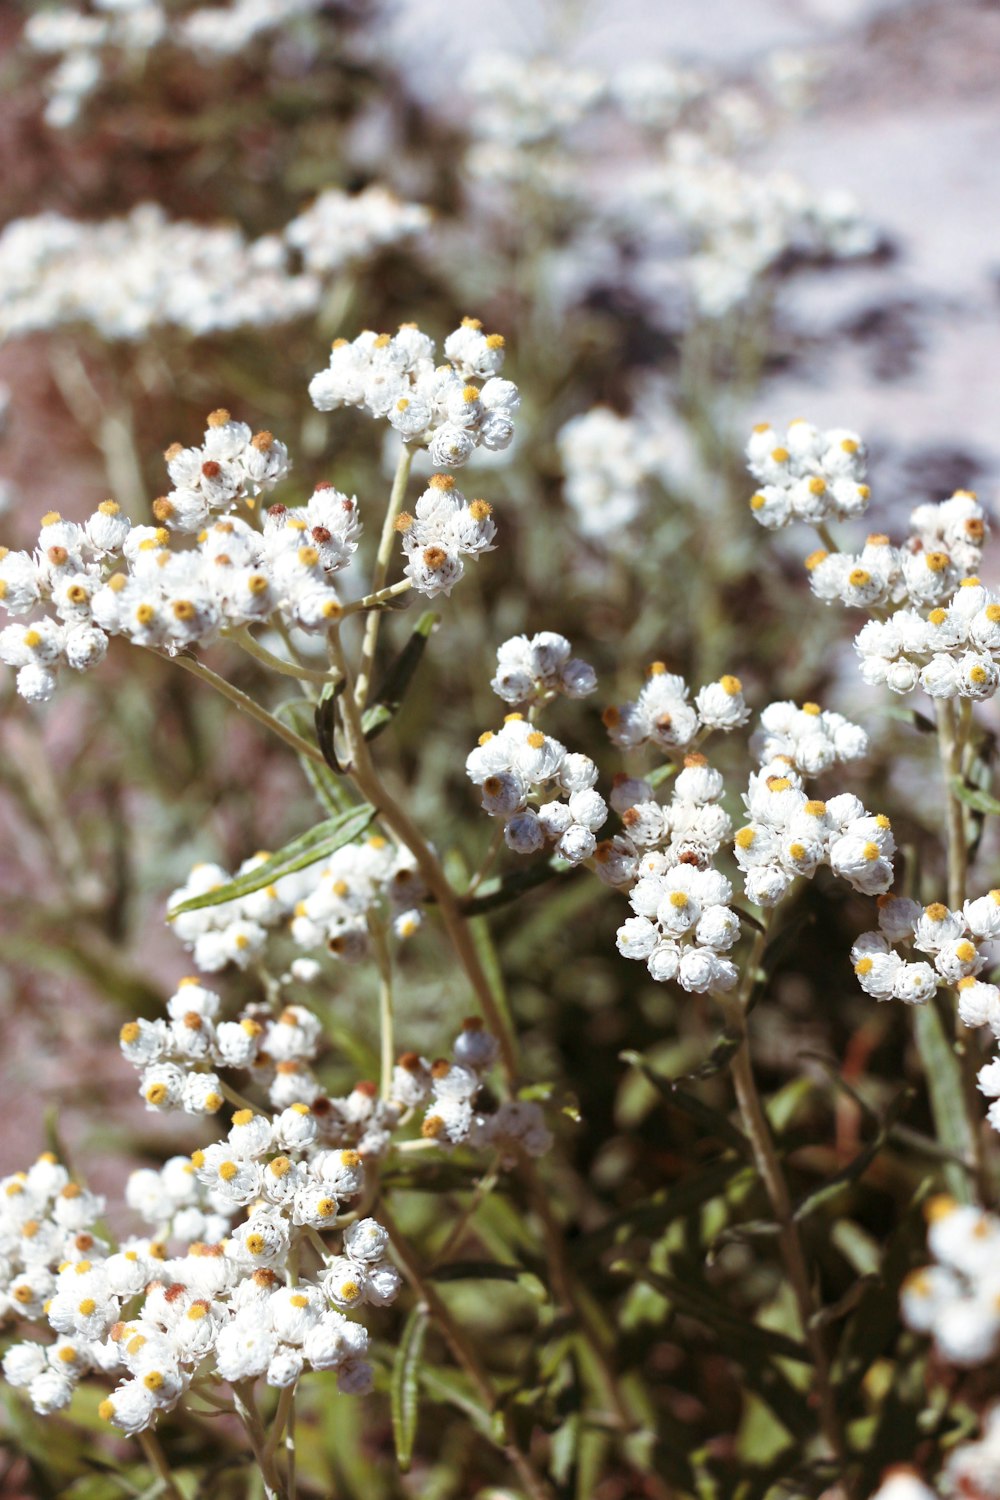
x: 826, y: 536
x: 399, y: 483
x: 953, y: 736
x: 570, y: 1296
x: 487, y: 864
x: 383, y: 962
x: 369, y: 783
x: 157, y: 1460
x: 465, y: 1355
x: 246, y: 1408
x: 236, y: 1098
x: 247, y: 705
x: 373, y: 601
x: 950, y: 748
x: 282, y: 1416
x: 768, y: 1165
x: 246, y: 642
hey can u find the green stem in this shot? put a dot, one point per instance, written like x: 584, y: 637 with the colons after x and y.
x: 826, y: 536
x: 246, y: 704
x: 399, y: 483
x: 383, y: 962
x: 374, y: 601
x: 953, y: 736
x: 369, y: 783
x: 246, y: 1408
x: 950, y: 748
x: 768, y: 1165
x: 157, y: 1460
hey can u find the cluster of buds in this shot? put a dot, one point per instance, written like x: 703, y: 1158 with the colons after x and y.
x: 443, y: 528
x: 531, y: 672
x: 791, y: 834
x: 956, y: 1300
x: 450, y: 1092
x: 520, y: 765
x: 682, y: 928
x: 662, y: 715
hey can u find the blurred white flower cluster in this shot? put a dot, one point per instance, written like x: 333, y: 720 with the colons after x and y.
x: 126, y: 277
x: 91, y: 42
x: 696, y: 218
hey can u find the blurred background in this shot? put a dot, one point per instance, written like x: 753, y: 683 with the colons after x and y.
x: 683, y: 218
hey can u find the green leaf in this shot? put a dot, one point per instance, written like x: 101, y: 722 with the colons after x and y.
x: 910, y: 716
x: 736, y: 1331
x: 861, y: 1162
x: 947, y: 1093
x: 712, y: 1121
x: 404, y: 1390
x: 395, y: 685
x: 974, y: 796
x: 486, y: 1270
x: 661, y: 774
x: 308, y: 849
x: 326, y: 724
x: 650, y: 1217
x: 503, y: 889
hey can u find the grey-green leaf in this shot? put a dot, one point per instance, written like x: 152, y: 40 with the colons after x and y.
x: 308, y: 849
x: 404, y: 1390
x: 395, y: 685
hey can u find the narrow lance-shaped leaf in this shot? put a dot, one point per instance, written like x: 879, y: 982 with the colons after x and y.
x: 974, y: 797
x: 503, y: 889
x: 326, y: 724
x: 405, y: 1394
x: 711, y: 1120
x: 308, y: 849
x: 946, y: 1088
x: 395, y: 685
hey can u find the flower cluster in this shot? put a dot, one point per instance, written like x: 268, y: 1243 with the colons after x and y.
x: 128, y: 276
x: 520, y: 765
x: 735, y: 224
x: 683, y: 927
x: 233, y: 1309
x: 951, y: 651
x: 87, y: 45
x: 451, y: 409
x: 609, y: 462
x: 169, y: 598
x: 790, y: 834
x: 956, y: 1300
x: 329, y: 905
x: 807, y: 475
x: 450, y: 1091
x: 954, y: 942
x: 531, y: 672
x: 662, y: 715
x: 810, y: 739
x: 341, y: 228
x: 443, y: 528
